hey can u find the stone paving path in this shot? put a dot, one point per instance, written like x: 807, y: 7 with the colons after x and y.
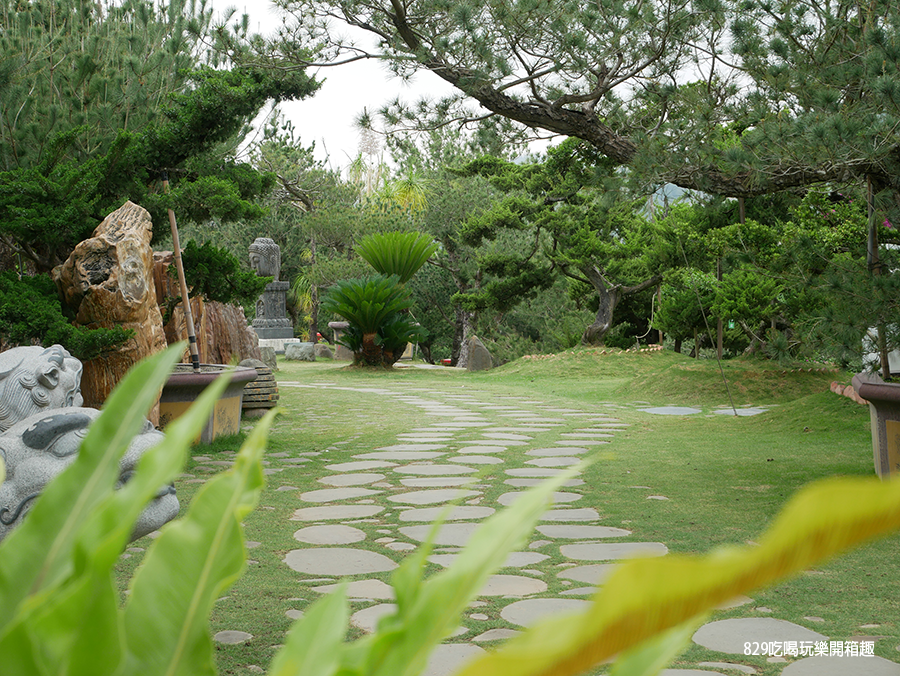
x: 474, y: 443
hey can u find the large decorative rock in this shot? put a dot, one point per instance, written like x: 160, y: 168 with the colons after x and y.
x: 323, y: 351
x: 271, y: 321
x: 222, y: 331
x: 107, y: 281
x: 34, y: 379
x: 300, y: 352
x: 38, y: 448
x: 479, y: 357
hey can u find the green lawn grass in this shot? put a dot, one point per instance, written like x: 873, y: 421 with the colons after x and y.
x: 725, y: 477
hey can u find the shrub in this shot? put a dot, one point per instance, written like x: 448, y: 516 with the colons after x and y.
x: 30, y: 312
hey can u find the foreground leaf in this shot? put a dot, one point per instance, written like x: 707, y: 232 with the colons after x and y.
x: 430, y: 611
x: 166, y: 617
x: 315, y: 640
x: 644, y: 597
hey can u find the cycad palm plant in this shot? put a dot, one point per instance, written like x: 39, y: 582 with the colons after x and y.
x: 397, y: 253
x: 375, y: 307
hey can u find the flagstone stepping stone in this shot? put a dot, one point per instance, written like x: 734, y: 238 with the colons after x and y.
x: 558, y: 497
x: 496, y: 635
x: 589, y: 435
x: 423, y: 438
x: 232, y: 637
x: 482, y: 460
x: 842, y: 666
x: 577, y: 532
x: 359, y: 464
x: 657, y: 497
x: 583, y: 442
x: 446, y: 659
x: 430, y: 497
x: 689, y: 672
x: 367, y: 618
x: 350, y: 479
x: 412, y: 447
x: 400, y: 546
x: 438, y: 481
x: 729, y: 636
x: 512, y: 585
x: 362, y: 589
x: 583, y: 514
x: 482, y: 449
x: 499, y: 442
x: 671, y: 410
x: 594, y: 574
x: 534, y: 472
x: 743, y: 668
x: 448, y: 534
x: 337, y: 561
x: 329, y: 535
x: 286, y: 488
x: 518, y: 429
x: 561, y: 461
x: 506, y: 436
x: 553, y: 452
x: 741, y: 411
x: 514, y: 560
x: 333, y: 512
x: 400, y: 456
x: 435, y: 470
x: 332, y: 494
x: 607, y: 551
x: 459, y: 513
x: 527, y: 483
x: 528, y: 611
x: 464, y: 424
x: 293, y: 614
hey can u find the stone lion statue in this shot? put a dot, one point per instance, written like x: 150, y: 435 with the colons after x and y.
x: 33, y: 379
x: 38, y: 448
x: 265, y: 258
x: 42, y: 423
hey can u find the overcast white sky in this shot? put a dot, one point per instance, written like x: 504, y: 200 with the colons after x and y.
x: 328, y: 117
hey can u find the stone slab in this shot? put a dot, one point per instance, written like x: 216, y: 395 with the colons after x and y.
x: 427, y: 497
x: 501, y: 634
x: 741, y: 411
x: 412, y: 447
x: 352, y: 479
x: 579, y: 532
x: 561, y: 461
x: 232, y: 637
x: 459, y: 513
x: 671, y: 410
x: 527, y: 483
x: 528, y: 611
x: 362, y: 589
x: 553, y: 452
x: 594, y: 574
x: 359, y: 465
x: 435, y: 470
x: 400, y: 456
x: 335, y: 534
x: 559, y: 497
x: 583, y: 514
x: 438, y: 481
x: 456, y: 534
x: 446, y: 659
x: 609, y: 551
x: 333, y: 512
x: 482, y: 449
x: 514, y: 560
x: 512, y: 585
x: 333, y: 494
x: 729, y: 636
x: 337, y: 561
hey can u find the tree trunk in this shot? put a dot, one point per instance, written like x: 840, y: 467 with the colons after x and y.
x: 609, y: 298
x: 678, y: 345
x: 465, y: 320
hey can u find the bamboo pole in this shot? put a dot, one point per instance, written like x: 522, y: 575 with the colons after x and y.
x: 185, y: 299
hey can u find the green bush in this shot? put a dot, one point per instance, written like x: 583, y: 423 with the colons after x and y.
x: 30, y: 313
x: 217, y: 275
x: 375, y: 308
